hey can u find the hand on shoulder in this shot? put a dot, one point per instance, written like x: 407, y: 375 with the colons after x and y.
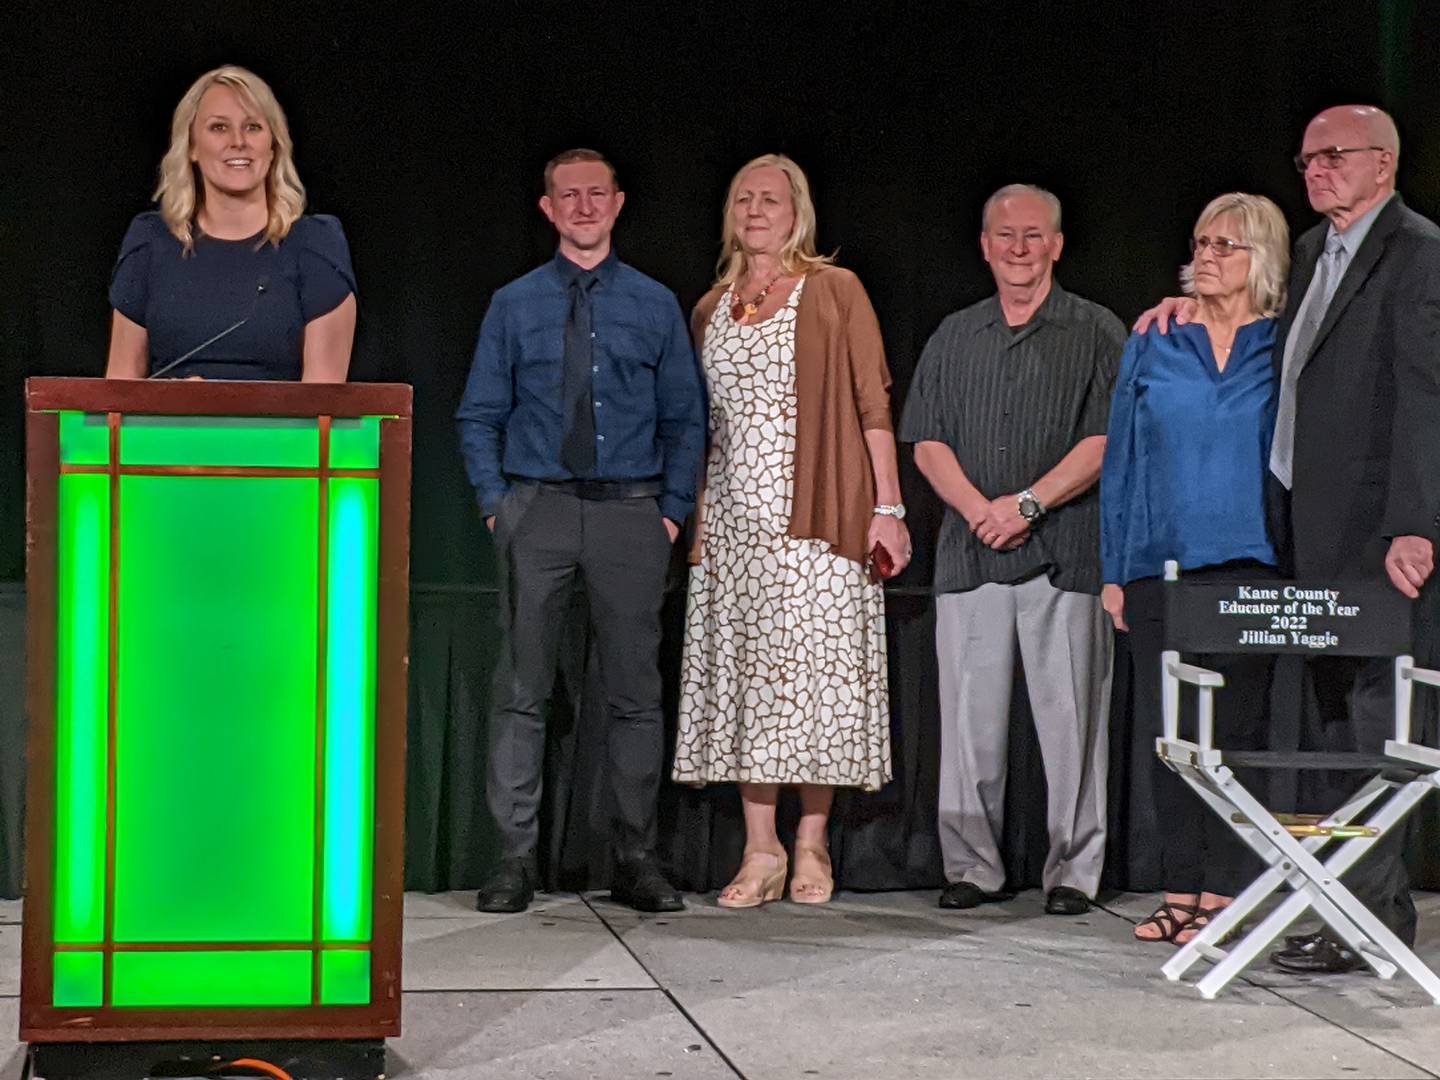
x: 1179, y: 309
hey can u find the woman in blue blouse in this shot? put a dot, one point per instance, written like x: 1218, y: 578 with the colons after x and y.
x: 229, y: 279
x: 1183, y: 479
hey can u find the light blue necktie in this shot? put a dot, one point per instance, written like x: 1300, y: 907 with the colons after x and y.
x: 1297, y: 352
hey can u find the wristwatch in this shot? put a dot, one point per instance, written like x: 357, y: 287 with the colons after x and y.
x: 897, y: 511
x: 1030, y: 508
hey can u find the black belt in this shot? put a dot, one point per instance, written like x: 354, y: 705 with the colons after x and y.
x: 602, y: 489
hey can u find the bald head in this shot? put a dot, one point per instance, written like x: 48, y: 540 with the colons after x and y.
x: 1352, y: 125
x: 1351, y: 152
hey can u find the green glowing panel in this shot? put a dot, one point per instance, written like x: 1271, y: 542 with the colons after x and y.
x: 355, y: 444
x: 266, y: 442
x: 354, y: 532
x: 216, y: 751
x: 79, y: 980
x: 84, y: 439
x: 344, y: 977
x: 82, y: 707
x: 236, y: 979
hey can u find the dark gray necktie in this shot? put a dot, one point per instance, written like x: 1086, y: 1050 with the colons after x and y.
x: 577, y: 451
x: 1297, y: 353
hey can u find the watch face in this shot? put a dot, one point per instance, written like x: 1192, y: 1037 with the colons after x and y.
x: 1029, y: 509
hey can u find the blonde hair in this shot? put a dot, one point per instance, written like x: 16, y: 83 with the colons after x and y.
x: 798, y: 255
x: 180, y: 194
x: 1262, y: 228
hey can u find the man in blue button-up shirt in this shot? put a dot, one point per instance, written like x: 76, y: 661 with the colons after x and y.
x: 582, y: 426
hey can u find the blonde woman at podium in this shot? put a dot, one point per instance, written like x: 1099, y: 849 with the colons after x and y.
x: 230, y: 278
x: 1183, y: 478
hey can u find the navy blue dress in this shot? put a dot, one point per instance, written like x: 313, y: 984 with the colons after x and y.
x: 184, y: 300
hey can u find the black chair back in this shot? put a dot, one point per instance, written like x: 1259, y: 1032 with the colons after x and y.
x: 1357, y: 618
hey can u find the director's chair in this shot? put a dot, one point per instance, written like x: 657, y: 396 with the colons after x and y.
x: 1291, y: 845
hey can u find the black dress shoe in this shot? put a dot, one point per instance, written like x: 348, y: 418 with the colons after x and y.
x: 1063, y: 900
x: 1319, y: 955
x: 642, y: 886
x: 509, y: 888
x: 962, y: 894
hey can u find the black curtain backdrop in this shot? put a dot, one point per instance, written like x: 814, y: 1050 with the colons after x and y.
x: 425, y: 128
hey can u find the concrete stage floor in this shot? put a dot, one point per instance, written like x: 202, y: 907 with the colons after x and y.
x: 875, y: 985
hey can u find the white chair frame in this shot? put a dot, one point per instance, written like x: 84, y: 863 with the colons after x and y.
x: 1294, y: 861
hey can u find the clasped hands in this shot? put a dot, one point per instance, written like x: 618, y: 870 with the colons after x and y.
x: 999, y: 524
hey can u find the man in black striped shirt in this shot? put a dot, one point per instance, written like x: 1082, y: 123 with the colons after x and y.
x: 1008, y: 411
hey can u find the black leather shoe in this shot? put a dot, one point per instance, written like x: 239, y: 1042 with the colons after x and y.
x: 1063, y: 900
x: 642, y: 886
x: 1318, y: 956
x: 509, y: 888
x: 962, y: 894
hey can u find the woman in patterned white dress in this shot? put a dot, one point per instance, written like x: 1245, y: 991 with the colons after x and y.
x: 784, y: 676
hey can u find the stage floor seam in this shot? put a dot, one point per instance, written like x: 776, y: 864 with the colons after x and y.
x: 536, y: 990
x: 689, y: 1019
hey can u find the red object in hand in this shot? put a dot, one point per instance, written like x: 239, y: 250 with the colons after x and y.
x: 881, y: 565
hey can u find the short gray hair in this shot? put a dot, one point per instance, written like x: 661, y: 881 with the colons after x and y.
x: 1011, y: 190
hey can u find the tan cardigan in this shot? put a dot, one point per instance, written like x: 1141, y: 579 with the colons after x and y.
x: 842, y: 389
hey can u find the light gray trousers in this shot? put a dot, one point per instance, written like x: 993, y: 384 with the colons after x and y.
x: 1066, y: 648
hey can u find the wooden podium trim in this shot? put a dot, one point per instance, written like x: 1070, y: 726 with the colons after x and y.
x: 112, y: 696
x: 42, y: 455
x: 185, y: 397
x: 220, y: 470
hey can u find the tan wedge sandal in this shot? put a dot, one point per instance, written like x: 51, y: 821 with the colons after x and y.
x: 813, y: 882
x: 754, y: 884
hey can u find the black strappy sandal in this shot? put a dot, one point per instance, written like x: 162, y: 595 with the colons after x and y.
x: 1201, y: 920
x: 1166, y: 919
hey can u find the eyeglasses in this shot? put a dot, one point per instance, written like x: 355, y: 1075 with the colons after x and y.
x: 1332, y: 157
x: 1220, y: 245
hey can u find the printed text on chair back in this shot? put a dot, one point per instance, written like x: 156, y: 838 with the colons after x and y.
x: 1345, y: 618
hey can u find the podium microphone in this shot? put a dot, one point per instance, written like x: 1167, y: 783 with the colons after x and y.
x: 260, y: 288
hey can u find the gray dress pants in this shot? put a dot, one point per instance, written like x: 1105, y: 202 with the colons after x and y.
x: 1066, y: 646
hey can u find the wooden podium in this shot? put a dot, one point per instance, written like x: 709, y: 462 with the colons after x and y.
x: 218, y: 592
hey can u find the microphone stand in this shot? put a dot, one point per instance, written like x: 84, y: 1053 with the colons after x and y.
x: 204, y: 344
x: 259, y: 292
